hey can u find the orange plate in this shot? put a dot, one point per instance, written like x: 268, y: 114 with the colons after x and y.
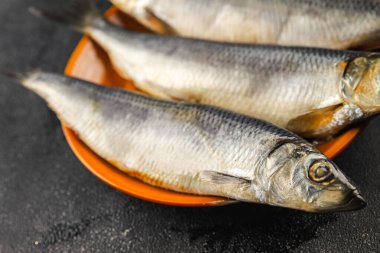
x: 90, y: 63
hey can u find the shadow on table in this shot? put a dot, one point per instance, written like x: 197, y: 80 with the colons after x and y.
x: 250, y: 227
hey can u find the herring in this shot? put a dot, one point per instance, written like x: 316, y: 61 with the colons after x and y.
x: 315, y: 93
x: 197, y: 149
x: 337, y: 24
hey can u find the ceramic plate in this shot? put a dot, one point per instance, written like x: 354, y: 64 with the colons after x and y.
x: 90, y: 63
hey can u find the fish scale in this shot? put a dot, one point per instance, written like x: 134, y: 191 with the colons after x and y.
x: 316, y: 23
x: 195, y: 148
x: 247, y: 79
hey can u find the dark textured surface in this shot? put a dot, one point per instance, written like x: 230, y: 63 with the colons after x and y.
x: 49, y: 202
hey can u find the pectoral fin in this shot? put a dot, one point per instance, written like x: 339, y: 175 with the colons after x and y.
x: 315, y: 124
x: 226, y: 179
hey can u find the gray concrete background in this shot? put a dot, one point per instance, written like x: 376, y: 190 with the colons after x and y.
x: 49, y: 202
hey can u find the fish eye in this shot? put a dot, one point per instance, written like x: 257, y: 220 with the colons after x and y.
x: 321, y: 172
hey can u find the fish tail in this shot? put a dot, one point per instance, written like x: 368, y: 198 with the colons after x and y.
x: 80, y: 16
x: 18, y: 76
x: 27, y: 78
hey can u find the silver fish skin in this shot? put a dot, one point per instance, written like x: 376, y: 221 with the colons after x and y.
x: 197, y: 149
x: 335, y: 24
x: 315, y: 93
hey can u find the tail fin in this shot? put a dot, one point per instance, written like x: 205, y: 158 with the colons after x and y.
x: 80, y: 16
x: 17, y: 76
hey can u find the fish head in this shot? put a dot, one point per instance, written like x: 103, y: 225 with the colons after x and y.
x: 303, y: 178
x: 360, y: 84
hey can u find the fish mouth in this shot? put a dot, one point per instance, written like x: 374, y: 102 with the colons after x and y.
x: 355, y: 202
